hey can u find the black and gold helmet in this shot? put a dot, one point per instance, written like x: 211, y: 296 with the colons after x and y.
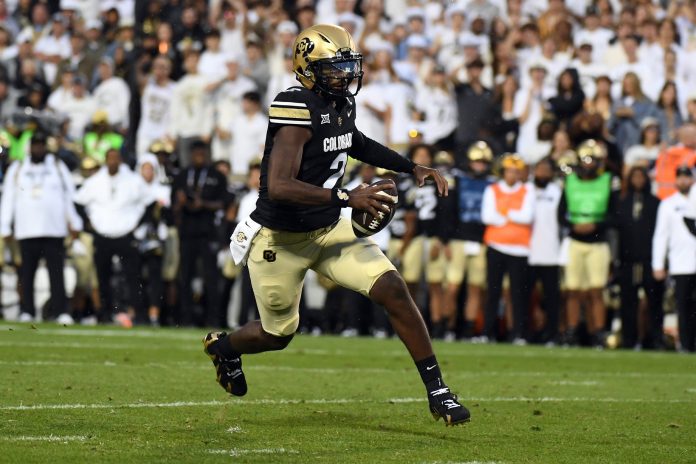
x: 480, y: 151
x: 591, y: 150
x: 325, y: 59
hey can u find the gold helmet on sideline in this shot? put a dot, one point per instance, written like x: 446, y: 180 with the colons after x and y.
x: 512, y: 161
x: 480, y: 151
x: 325, y: 59
x: 591, y: 149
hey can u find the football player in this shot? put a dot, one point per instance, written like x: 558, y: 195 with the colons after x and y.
x: 296, y: 225
x: 464, y: 236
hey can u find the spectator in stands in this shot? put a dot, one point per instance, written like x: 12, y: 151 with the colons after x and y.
x: 114, y: 201
x: 586, y: 208
x: 79, y: 108
x: 668, y: 112
x: 53, y: 47
x: 544, y: 246
x: 255, y: 65
x: 602, y: 102
x: 112, y: 95
x: 37, y: 210
x: 8, y: 98
x: 645, y: 154
x: 155, y: 111
x: 198, y: 196
x: 211, y: 64
x: 227, y: 96
x: 529, y: 106
x: 627, y: 113
x: 435, y: 101
x: 682, y: 154
x: 636, y: 216
x: 674, y: 244
x: 474, y: 104
x: 569, y: 99
x: 248, y: 131
x: 191, y: 110
x: 80, y: 61
x: 63, y: 93
x: 508, y: 212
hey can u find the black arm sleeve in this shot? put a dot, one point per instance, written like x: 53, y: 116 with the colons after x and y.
x: 368, y: 151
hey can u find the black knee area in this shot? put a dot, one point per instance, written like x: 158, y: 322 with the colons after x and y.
x: 276, y: 343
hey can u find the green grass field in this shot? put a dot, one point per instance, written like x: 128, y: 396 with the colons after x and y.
x: 108, y: 395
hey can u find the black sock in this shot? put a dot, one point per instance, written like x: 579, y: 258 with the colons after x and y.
x: 429, y: 371
x: 224, y: 348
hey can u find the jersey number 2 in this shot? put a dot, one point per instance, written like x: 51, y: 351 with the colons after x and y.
x: 339, y: 166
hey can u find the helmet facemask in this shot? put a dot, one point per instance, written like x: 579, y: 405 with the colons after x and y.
x: 334, y: 76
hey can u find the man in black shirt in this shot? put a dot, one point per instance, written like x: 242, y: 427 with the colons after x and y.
x: 474, y: 105
x: 198, y: 195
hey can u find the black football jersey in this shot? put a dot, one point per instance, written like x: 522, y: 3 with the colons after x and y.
x: 324, y: 157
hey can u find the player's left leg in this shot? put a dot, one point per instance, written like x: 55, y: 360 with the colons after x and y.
x: 277, y: 265
x: 342, y: 255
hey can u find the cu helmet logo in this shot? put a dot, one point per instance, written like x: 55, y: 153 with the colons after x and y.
x: 304, y: 48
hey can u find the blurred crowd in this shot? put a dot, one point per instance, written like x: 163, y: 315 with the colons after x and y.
x: 132, y: 131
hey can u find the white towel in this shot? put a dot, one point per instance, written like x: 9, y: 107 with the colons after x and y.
x: 240, y: 241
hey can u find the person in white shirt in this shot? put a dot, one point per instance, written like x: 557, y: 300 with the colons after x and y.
x: 114, y: 200
x: 278, y: 55
x: 60, y: 96
x: 282, y: 80
x: 212, y: 61
x: 79, y: 108
x: 37, y: 210
x: 191, y: 109
x: 529, y: 107
x: 593, y: 34
x: 437, y: 103
x: 371, y: 108
x: 248, y: 131
x: 155, y: 104
x: 112, y: 94
x: 545, y: 245
x: 53, y: 47
x: 228, y: 104
x: 674, y: 243
x: 508, y: 211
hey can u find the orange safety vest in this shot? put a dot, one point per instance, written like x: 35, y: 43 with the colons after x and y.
x: 666, y: 168
x: 511, y: 233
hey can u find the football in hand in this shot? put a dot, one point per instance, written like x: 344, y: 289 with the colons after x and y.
x: 365, y: 224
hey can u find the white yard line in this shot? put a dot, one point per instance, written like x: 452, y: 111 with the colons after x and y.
x: 204, y: 365
x: 573, y: 383
x: 182, y: 404
x: 48, y: 438
x: 242, y: 452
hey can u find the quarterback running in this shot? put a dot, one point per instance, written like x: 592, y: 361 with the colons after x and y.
x: 297, y: 226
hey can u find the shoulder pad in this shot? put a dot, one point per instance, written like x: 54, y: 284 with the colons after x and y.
x: 290, y: 107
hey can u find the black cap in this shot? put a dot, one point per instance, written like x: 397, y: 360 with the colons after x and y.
x: 198, y: 143
x: 685, y: 171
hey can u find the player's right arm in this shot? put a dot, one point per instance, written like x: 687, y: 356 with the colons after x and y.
x: 284, y: 166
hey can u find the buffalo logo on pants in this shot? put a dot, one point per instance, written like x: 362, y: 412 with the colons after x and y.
x: 269, y: 255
